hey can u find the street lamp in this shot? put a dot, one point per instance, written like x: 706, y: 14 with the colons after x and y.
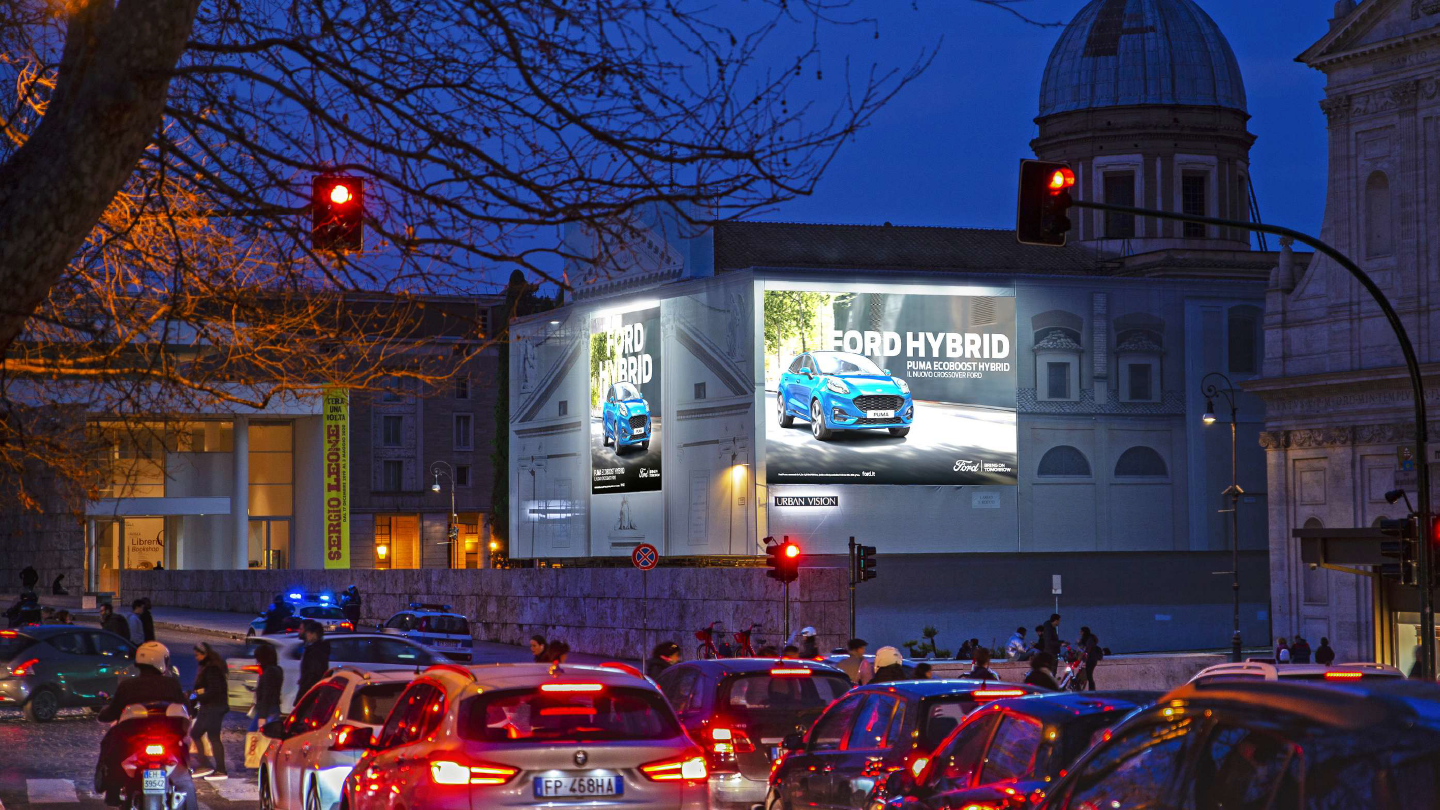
x: 1210, y: 391
x: 451, y: 523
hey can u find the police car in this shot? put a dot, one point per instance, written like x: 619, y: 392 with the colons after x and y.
x: 436, y: 627
x: 318, y: 606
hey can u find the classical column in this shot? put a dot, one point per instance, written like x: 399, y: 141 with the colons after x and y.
x: 92, y: 557
x: 240, y: 494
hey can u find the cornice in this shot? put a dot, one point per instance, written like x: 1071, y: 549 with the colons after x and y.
x: 1347, y: 436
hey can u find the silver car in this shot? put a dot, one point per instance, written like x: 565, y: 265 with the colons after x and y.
x: 528, y: 735
x: 374, y: 652
x: 313, y: 750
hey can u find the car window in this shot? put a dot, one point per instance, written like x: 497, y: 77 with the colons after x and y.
x: 610, y: 394
x: 111, y: 646
x: 871, y: 725
x: 352, y: 651
x: 1012, y: 750
x: 846, y: 363
x: 393, y: 651
x: 806, y: 364
x: 1245, y: 769
x: 313, y: 710
x: 446, y: 625
x: 626, y: 391
x: 942, y: 717
x: 761, y: 690
x: 399, y: 622
x: 406, y: 717
x: 897, y: 724
x: 678, y: 687
x: 530, y: 715
x: 961, y: 755
x: 372, y: 704
x: 794, y: 366
x: 832, y: 726
x: 72, y: 643
x: 321, y: 612
x: 1136, y: 770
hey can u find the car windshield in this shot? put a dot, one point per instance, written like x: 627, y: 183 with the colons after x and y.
x: 321, y: 613
x: 445, y: 625
x: 372, y: 704
x: 1079, y: 734
x: 943, y: 715
x: 843, y: 363
x: 763, y: 691
x: 626, y: 391
x: 12, y: 644
x: 529, y: 715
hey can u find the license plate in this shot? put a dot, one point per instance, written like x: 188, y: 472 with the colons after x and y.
x: 154, y: 781
x: 639, y: 431
x: 552, y: 786
x: 879, y: 414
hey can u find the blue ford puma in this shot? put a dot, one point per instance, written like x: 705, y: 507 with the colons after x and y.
x: 625, y: 419
x: 843, y: 391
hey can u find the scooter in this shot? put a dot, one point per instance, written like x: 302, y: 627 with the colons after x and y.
x: 156, y: 767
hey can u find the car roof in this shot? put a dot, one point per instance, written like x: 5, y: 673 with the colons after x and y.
x: 367, y: 677
x: 720, y: 667
x: 485, y: 677
x: 1386, y: 702
x: 1270, y: 670
x: 43, y: 631
x: 1060, y: 707
x: 941, y: 687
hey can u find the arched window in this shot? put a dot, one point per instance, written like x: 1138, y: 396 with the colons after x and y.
x: 1063, y: 460
x: 1243, y: 337
x: 1141, y: 462
x: 1379, y: 233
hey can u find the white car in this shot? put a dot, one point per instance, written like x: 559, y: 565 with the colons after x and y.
x: 374, y: 652
x: 319, y: 607
x: 1264, y: 671
x: 312, y: 751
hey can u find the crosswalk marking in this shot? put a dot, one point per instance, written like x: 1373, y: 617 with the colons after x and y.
x: 51, y: 791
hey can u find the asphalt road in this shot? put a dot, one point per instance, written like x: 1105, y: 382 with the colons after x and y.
x: 630, y: 464
x: 943, y: 437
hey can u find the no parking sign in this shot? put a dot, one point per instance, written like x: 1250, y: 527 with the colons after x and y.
x: 645, y: 556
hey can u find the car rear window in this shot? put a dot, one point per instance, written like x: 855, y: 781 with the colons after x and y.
x: 321, y: 613
x: 13, y: 645
x: 372, y: 704
x: 529, y: 715
x: 448, y: 625
x: 763, y: 691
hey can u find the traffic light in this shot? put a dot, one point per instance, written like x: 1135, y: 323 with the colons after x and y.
x: 1405, y: 548
x: 337, y: 210
x: 1041, y: 217
x: 864, y: 563
x: 783, y: 558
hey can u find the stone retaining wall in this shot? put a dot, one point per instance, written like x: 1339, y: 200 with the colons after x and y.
x: 1150, y: 672
x: 594, y: 610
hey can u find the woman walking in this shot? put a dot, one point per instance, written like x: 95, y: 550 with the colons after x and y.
x: 267, y: 691
x: 212, y: 691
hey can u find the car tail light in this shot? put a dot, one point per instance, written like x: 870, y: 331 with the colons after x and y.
x: 731, y: 741
x: 154, y: 750
x: 25, y: 668
x: 917, y: 766
x: 571, y: 687
x: 346, y: 626
x: 450, y: 772
x: 779, y: 672
x: 991, y: 694
x: 1344, y: 675
x: 689, y: 766
x: 8, y: 633
x: 255, y: 668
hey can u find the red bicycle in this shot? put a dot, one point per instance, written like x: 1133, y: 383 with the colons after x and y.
x: 707, y: 650
x: 745, y: 647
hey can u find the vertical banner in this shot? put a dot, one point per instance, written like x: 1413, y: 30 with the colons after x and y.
x: 625, y: 405
x: 337, y: 478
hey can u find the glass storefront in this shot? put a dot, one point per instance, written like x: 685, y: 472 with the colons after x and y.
x: 397, y: 541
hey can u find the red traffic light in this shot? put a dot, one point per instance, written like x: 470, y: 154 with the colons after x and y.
x: 340, y: 194
x: 1061, y: 179
x: 792, y: 550
x: 337, y: 208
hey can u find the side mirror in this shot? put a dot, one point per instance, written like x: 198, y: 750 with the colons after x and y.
x: 275, y: 729
x: 793, y: 742
x: 887, y: 372
x: 353, y: 738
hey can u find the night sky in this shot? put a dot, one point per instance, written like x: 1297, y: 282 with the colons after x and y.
x: 945, y: 151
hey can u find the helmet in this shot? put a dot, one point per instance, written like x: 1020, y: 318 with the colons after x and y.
x: 153, y: 654
x: 809, y: 631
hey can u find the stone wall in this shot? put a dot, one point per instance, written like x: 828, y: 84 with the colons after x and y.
x: 1148, y: 672
x: 594, y: 610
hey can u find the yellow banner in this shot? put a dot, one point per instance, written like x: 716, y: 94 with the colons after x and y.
x: 337, y: 478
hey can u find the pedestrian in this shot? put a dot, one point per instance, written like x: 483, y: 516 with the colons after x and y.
x: 1093, y: 655
x: 981, y: 671
x: 556, y: 652
x: 665, y: 655
x: 1042, y: 672
x: 1300, y: 651
x: 276, y: 615
x: 213, y: 696
x: 146, y: 620
x: 965, y: 651
x: 63, y: 617
x: 29, y: 577
x: 47, y: 615
x: 267, y: 690
x: 1084, y: 641
x: 134, y: 624
x: 537, y: 648
x: 856, y: 666
x: 1324, y: 655
x: 1282, y: 651
x: 1417, y: 669
x: 889, y: 666
x: 57, y: 588
x: 113, y: 622
x: 1050, y: 640
x: 1016, y: 649
x: 315, y: 660
x: 809, y: 648
x: 790, y: 651
x: 921, y: 673
x: 350, y: 605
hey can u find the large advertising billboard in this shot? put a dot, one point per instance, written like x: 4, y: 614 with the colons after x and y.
x: 625, y: 407
x: 889, y: 388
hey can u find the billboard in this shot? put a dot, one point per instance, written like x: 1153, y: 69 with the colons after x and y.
x: 625, y: 406
x: 889, y: 387
x: 337, y: 478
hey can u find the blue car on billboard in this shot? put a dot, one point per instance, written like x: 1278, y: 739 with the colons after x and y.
x: 843, y: 391
x: 625, y: 419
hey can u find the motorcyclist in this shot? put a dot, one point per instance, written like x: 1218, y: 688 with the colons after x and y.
x: 350, y: 604
x: 275, y: 617
x: 25, y: 610
x: 808, y: 646
x: 153, y: 684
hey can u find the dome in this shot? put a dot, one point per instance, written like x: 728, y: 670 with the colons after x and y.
x: 1124, y: 52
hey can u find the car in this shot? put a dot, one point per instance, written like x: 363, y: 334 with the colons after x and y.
x: 318, y: 606
x: 740, y: 709
x: 843, y: 391
x: 434, y: 626
x: 873, y: 730
x: 312, y: 751
x: 1009, y: 748
x: 1264, y: 671
x: 528, y: 735
x: 1280, y: 745
x: 375, y: 652
x: 625, y: 418
x: 48, y: 667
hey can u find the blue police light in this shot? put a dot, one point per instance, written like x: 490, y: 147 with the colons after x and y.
x: 295, y: 596
x: 324, y: 597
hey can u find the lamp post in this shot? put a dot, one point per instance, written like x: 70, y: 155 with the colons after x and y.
x: 1209, y: 390
x: 452, y: 532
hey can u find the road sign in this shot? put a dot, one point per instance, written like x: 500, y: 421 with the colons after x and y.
x: 645, y: 556
x: 1055, y: 584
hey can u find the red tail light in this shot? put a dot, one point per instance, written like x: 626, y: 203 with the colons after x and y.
x: 255, y: 668
x: 731, y: 741
x: 450, y: 772
x: 346, y: 626
x: 689, y: 766
x: 25, y: 668
x: 991, y: 694
x: 154, y: 750
x: 572, y: 687
x: 1344, y: 675
x: 8, y: 633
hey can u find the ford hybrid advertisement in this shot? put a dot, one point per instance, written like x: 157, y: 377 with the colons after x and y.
x: 625, y: 401
x: 889, y: 388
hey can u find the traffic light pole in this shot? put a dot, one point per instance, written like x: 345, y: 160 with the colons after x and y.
x: 853, y: 573
x: 1422, y: 474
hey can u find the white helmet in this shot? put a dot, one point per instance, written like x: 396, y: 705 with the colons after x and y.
x: 809, y: 631
x: 153, y: 654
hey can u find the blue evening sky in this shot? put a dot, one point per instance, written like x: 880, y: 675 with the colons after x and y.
x: 945, y: 151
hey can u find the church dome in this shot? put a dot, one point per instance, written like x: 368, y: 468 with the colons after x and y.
x: 1126, y: 52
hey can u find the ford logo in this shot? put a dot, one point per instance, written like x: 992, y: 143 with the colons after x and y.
x: 581, y: 758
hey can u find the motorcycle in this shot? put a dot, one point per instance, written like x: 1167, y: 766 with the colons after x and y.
x: 155, y: 767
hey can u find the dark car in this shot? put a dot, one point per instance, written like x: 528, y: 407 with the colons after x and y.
x: 49, y: 667
x: 1008, y: 752
x: 1275, y: 745
x: 740, y: 710
x: 874, y: 730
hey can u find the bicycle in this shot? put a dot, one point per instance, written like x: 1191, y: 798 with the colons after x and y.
x: 745, y: 647
x: 706, y: 650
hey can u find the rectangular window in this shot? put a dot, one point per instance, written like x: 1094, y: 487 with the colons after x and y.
x: 700, y: 390
x: 462, y: 475
x: 391, y: 433
x: 1192, y: 201
x: 394, y: 476
x: 1119, y: 190
x: 462, y: 386
x: 1140, y: 382
x: 393, y: 390
x: 1057, y: 380
x: 564, y: 407
x: 464, y: 438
